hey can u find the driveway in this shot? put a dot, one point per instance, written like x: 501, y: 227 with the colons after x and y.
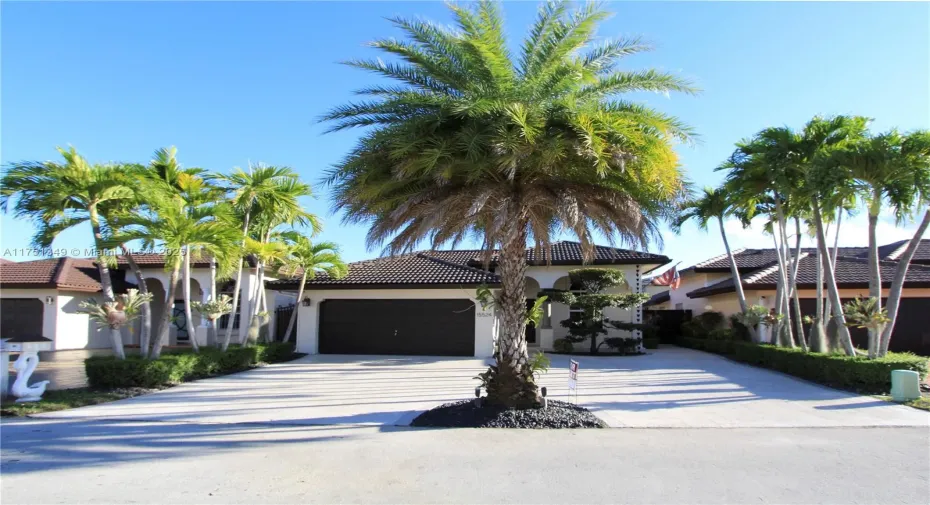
x: 671, y: 388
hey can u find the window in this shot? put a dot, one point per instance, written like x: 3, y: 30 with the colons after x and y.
x: 576, y: 313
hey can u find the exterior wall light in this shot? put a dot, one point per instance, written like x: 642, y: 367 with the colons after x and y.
x: 306, y: 302
x: 49, y: 300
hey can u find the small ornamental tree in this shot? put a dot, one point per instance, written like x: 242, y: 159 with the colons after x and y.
x: 593, y: 301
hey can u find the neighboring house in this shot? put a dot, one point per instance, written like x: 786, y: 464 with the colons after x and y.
x: 708, y: 286
x: 43, y: 297
x: 424, y: 303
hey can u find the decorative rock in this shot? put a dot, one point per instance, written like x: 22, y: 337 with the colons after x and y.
x: 464, y: 414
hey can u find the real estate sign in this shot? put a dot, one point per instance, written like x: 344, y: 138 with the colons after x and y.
x: 572, y: 375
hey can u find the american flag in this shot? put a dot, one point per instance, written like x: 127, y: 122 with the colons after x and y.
x: 670, y: 278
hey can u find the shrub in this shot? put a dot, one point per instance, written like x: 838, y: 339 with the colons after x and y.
x: 624, y: 344
x: 562, y: 345
x: 651, y: 342
x: 739, y: 331
x: 107, y: 372
x: 703, y: 325
x: 840, y: 371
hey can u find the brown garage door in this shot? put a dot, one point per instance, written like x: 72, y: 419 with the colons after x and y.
x: 21, y: 317
x: 399, y: 327
x: 911, y: 329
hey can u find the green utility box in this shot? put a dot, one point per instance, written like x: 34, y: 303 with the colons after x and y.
x: 905, y: 385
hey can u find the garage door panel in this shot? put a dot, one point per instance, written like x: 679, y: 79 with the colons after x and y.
x: 426, y: 327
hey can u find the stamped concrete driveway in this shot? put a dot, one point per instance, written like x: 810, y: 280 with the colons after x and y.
x: 670, y: 388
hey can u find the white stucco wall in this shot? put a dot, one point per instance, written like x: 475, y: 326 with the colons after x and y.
x: 308, y: 317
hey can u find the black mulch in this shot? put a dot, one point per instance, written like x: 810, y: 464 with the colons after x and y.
x: 464, y: 414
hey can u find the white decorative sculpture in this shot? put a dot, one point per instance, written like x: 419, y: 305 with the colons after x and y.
x: 28, y: 349
x: 24, y: 366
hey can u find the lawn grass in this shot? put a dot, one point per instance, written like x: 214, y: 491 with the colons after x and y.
x: 67, y: 399
x: 922, y: 403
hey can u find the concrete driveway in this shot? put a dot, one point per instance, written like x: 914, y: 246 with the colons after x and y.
x: 671, y: 388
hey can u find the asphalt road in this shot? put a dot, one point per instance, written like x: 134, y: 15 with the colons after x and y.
x: 94, y: 461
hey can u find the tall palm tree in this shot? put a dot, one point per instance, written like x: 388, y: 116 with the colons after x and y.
x: 262, y: 187
x: 305, y: 260
x: 59, y: 196
x: 475, y: 142
x: 268, y: 253
x: 192, y: 187
x: 178, y: 229
x: 777, y: 165
x: 715, y: 204
x: 887, y: 168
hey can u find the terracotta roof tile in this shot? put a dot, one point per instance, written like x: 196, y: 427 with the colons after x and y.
x: 75, y: 274
x: 460, y: 266
x: 850, y: 273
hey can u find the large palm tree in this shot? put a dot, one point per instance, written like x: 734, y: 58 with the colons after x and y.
x: 889, y: 168
x: 59, y: 196
x: 304, y: 261
x: 178, y: 229
x: 714, y: 204
x: 475, y: 142
x: 262, y: 187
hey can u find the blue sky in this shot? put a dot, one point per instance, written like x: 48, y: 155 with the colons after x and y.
x: 231, y: 82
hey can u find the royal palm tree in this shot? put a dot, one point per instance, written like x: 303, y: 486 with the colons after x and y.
x: 304, y: 260
x: 262, y: 187
x: 178, y: 229
x: 775, y: 170
x: 59, y: 196
x: 889, y: 168
x: 475, y: 142
x: 268, y: 253
x: 714, y: 204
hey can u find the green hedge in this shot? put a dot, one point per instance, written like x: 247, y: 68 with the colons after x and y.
x: 651, y: 343
x: 836, y: 370
x: 107, y: 372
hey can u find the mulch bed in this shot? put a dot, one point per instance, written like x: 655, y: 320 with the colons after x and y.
x: 464, y: 414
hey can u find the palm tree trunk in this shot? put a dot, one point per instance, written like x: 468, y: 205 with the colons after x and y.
x: 145, y: 334
x: 188, y: 315
x: 783, y: 328
x: 793, y: 285
x: 845, y: 340
x: 897, y: 284
x: 106, y: 283
x: 300, y: 296
x: 211, y: 323
x: 734, y: 271
x: 254, y: 320
x: 238, y: 286
x: 513, y: 384
x: 875, y: 275
x: 781, y: 252
x: 164, y: 326
x: 818, y: 342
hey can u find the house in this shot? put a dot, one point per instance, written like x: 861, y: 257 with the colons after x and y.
x: 424, y: 303
x: 43, y: 297
x: 709, y: 286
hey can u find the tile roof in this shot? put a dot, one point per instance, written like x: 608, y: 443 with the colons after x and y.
x: 157, y: 260
x: 73, y: 274
x: 569, y: 253
x: 850, y: 273
x: 894, y: 251
x: 752, y: 259
x: 658, y: 298
x: 453, y: 267
x: 414, y: 269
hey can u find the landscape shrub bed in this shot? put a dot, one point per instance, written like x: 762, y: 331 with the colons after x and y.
x: 106, y: 372
x: 857, y: 374
x: 651, y: 343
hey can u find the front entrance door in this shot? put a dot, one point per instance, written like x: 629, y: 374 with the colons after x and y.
x: 179, y: 320
x: 530, y: 327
